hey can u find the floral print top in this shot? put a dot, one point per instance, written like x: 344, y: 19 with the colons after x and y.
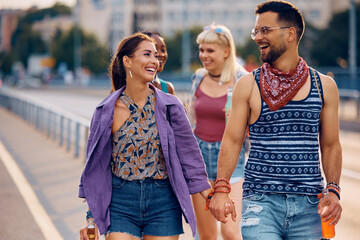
x: 137, y: 152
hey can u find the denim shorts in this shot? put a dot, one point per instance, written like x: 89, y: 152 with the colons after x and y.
x: 280, y: 216
x: 144, y: 207
x: 210, y: 152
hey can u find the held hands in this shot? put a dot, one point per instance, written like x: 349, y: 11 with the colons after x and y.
x: 84, y: 232
x: 219, y: 202
x: 329, y: 208
x: 221, y: 205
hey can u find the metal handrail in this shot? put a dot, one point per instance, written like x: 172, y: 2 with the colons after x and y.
x: 57, y: 123
x: 349, y: 94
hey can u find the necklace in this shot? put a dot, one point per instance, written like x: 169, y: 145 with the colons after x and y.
x: 212, y: 77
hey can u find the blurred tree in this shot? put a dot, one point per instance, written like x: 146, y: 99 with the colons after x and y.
x: 6, y: 61
x: 93, y: 56
x: 249, y: 48
x: 173, y: 45
x: 24, y: 41
x: 330, y: 46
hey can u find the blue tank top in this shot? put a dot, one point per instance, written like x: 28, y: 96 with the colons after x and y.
x: 284, y: 154
x: 164, y: 87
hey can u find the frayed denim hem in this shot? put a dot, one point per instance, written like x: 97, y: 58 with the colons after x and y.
x: 108, y: 233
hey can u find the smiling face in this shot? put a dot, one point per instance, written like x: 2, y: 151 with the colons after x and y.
x: 144, y: 62
x: 162, y: 51
x: 272, y: 45
x: 213, y: 56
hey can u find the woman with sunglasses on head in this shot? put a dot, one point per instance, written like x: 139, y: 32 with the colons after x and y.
x: 142, y: 160
x: 162, y: 57
x: 206, y: 112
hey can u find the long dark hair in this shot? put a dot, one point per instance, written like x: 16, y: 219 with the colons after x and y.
x: 126, y: 47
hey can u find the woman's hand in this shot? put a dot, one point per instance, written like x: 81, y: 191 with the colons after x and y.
x: 84, y: 232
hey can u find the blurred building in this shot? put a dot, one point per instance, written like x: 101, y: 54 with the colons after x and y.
x: 48, y: 26
x: 94, y: 17
x: 111, y: 20
x: 8, y: 22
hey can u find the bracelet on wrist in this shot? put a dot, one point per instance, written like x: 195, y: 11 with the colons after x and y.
x: 222, y: 179
x: 335, y: 192
x: 208, y: 199
x: 333, y: 184
x: 222, y: 185
x: 89, y: 215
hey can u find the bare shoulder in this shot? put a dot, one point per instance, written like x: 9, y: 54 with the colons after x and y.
x: 119, y: 107
x: 171, y: 88
x: 245, y: 85
x: 329, y: 85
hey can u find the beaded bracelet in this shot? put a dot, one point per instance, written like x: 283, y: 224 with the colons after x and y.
x: 208, y: 199
x: 334, y: 184
x: 334, y: 191
x: 89, y: 215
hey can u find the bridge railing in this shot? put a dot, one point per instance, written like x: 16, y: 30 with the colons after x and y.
x: 351, y: 95
x: 60, y: 125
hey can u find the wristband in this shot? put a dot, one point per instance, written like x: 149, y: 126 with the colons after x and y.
x: 208, y: 199
x: 334, y: 191
x: 89, y: 215
x: 333, y: 184
x: 222, y: 179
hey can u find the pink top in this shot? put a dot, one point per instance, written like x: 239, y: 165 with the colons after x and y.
x: 210, y: 116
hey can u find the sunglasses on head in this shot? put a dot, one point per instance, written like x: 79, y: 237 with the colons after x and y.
x: 218, y: 30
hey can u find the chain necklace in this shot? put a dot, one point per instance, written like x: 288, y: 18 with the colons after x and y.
x: 212, y: 77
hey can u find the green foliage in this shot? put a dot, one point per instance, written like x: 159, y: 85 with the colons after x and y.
x: 6, y: 61
x: 25, y: 41
x: 249, y: 48
x: 93, y: 56
x: 331, y: 44
x: 174, y: 47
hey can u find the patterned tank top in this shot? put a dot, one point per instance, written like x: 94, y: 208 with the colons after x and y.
x: 284, y: 155
x: 137, y: 151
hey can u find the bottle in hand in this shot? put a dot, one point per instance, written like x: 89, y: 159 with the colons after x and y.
x: 228, y: 103
x: 327, y: 230
x: 91, y: 229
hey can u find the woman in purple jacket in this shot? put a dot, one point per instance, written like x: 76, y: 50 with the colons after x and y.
x: 143, y: 161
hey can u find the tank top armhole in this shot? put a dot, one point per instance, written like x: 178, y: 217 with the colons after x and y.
x: 256, y: 74
x: 320, y: 87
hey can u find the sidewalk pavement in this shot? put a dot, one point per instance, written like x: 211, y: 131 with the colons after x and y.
x: 53, y: 174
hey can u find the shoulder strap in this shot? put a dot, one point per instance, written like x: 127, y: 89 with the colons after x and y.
x: 317, y: 86
x: 196, y: 78
x: 164, y: 87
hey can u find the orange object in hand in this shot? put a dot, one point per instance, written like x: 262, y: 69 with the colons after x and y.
x: 327, y: 230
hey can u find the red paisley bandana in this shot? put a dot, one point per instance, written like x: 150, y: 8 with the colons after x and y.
x: 278, y: 88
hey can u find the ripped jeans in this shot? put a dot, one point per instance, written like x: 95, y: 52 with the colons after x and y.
x: 280, y: 216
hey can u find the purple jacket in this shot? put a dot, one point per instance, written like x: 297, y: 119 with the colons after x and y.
x: 184, y: 163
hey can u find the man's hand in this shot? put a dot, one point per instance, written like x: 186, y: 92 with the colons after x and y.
x: 221, y: 205
x: 329, y: 208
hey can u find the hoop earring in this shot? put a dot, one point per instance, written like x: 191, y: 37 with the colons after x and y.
x: 130, y: 73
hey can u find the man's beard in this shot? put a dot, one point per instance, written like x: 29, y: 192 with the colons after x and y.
x: 274, y: 54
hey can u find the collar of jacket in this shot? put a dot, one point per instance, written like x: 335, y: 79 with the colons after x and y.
x: 163, y: 100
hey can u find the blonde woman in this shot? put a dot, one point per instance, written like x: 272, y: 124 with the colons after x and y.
x: 206, y: 112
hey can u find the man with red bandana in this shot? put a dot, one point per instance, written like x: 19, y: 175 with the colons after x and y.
x: 292, y: 113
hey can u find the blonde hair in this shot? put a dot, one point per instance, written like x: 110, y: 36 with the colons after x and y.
x: 220, y: 34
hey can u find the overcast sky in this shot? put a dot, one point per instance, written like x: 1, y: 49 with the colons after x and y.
x: 28, y: 3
